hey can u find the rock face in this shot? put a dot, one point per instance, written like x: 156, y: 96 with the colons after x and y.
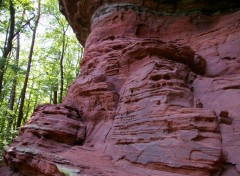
x: 157, y: 95
x: 52, y: 127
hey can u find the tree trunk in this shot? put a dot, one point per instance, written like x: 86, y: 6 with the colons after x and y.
x: 80, y: 55
x: 8, y: 47
x: 35, y: 104
x: 61, y: 64
x: 23, y: 93
x: 13, y: 91
x: 54, y: 97
x: 61, y: 77
x: 28, y: 107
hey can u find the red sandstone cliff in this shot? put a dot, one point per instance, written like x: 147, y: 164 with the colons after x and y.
x: 158, y: 95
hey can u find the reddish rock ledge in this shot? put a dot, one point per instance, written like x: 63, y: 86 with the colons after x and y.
x: 158, y: 94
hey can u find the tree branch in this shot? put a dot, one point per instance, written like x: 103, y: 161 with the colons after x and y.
x: 23, y: 26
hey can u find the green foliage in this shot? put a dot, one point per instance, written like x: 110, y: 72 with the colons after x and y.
x: 44, y: 77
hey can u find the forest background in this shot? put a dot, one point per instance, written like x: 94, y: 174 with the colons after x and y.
x: 39, y: 59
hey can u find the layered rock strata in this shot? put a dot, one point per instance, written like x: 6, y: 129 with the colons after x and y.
x: 52, y: 127
x: 157, y: 95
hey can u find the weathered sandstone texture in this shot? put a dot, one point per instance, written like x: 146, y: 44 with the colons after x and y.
x: 158, y: 94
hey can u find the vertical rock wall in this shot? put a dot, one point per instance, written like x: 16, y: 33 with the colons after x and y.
x: 157, y: 95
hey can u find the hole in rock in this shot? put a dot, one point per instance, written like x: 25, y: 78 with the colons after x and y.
x: 36, y: 134
x: 142, y: 30
x: 190, y: 81
x: 103, y: 109
x: 79, y: 142
x: 109, y: 38
x: 198, y: 138
x: 115, y: 18
x: 69, y: 116
x: 156, y: 77
x: 170, y: 130
x: 25, y: 143
x: 166, y: 77
x: 198, y: 119
x: 139, y: 57
x: 117, y: 47
x: 199, y: 105
x: 229, y: 58
x: 159, y: 85
x: 210, y: 120
x: 224, y: 114
x: 90, y: 65
x: 159, y: 65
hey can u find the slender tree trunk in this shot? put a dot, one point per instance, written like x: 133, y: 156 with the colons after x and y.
x: 61, y: 64
x: 13, y: 91
x: 35, y: 104
x: 23, y: 93
x: 61, y: 78
x: 6, y: 36
x: 51, y: 97
x: 8, y: 47
x: 54, y: 97
x: 2, y: 126
x: 14, y: 85
x: 80, y: 55
x: 28, y: 107
x: 29, y: 102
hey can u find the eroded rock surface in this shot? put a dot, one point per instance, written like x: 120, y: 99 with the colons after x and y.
x: 52, y: 129
x: 157, y: 95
